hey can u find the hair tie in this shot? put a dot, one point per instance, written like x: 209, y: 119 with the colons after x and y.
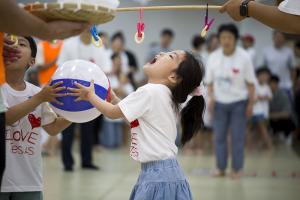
x: 197, y: 92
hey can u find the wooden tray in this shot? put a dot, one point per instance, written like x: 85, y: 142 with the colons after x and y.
x: 94, y: 14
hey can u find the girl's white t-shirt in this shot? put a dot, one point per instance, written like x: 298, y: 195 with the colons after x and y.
x: 230, y: 75
x: 23, y: 172
x: 262, y: 107
x: 153, y: 123
x: 290, y: 6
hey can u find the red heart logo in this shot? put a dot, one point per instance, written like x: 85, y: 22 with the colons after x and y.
x: 235, y: 70
x: 35, y: 122
x: 134, y: 124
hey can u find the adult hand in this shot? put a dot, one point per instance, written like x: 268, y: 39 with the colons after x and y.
x: 62, y: 29
x: 232, y: 8
x: 10, y: 53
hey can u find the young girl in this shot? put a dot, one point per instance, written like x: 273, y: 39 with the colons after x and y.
x: 153, y: 110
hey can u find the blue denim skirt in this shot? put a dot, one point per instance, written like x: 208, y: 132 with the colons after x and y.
x: 161, y: 180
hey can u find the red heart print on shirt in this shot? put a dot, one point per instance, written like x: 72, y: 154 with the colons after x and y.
x: 35, y: 122
x: 235, y: 70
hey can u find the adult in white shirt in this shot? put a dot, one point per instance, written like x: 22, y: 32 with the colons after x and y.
x: 81, y: 48
x: 230, y: 79
x: 281, y: 61
x: 285, y: 17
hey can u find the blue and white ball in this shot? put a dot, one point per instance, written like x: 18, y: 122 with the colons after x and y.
x: 83, y: 72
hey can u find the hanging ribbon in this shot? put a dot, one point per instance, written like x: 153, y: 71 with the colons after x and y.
x: 207, y: 24
x: 139, y: 36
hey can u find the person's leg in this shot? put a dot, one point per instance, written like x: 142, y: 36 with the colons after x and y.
x: 98, y: 127
x: 2, y: 146
x: 220, y: 129
x: 262, y: 127
x: 87, y: 140
x: 27, y: 196
x: 66, y: 147
x: 5, y: 195
x: 238, y: 125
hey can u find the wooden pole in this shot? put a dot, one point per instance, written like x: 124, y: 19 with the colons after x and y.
x: 154, y: 8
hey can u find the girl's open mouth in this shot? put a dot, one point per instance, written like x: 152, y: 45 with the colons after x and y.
x: 153, y: 60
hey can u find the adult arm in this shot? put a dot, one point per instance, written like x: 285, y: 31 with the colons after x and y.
x: 17, y: 21
x: 268, y: 15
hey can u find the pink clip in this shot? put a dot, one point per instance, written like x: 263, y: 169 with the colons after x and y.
x: 210, y: 23
x: 207, y: 24
x: 141, y: 25
x: 139, y: 36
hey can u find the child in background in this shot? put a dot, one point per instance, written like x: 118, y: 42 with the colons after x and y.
x: 281, y: 115
x: 27, y: 114
x: 261, y: 106
x: 153, y: 111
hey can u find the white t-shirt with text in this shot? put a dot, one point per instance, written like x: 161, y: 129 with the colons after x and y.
x: 23, y: 172
x: 153, y: 123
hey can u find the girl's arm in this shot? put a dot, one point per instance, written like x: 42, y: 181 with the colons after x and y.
x: 114, y: 98
x: 88, y: 94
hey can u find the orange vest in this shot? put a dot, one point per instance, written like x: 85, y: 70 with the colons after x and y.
x: 51, y: 52
x: 2, y: 70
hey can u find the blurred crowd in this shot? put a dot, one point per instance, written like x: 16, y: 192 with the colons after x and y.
x: 274, y: 118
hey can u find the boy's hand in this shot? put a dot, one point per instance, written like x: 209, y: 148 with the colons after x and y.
x: 50, y: 93
x: 82, y: 92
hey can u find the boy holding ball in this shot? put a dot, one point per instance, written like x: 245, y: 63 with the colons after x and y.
x: 27, y: 113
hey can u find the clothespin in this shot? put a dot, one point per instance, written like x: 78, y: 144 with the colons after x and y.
x: 140, y: 35
x: 95, y: 37
x: 207, y: 24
